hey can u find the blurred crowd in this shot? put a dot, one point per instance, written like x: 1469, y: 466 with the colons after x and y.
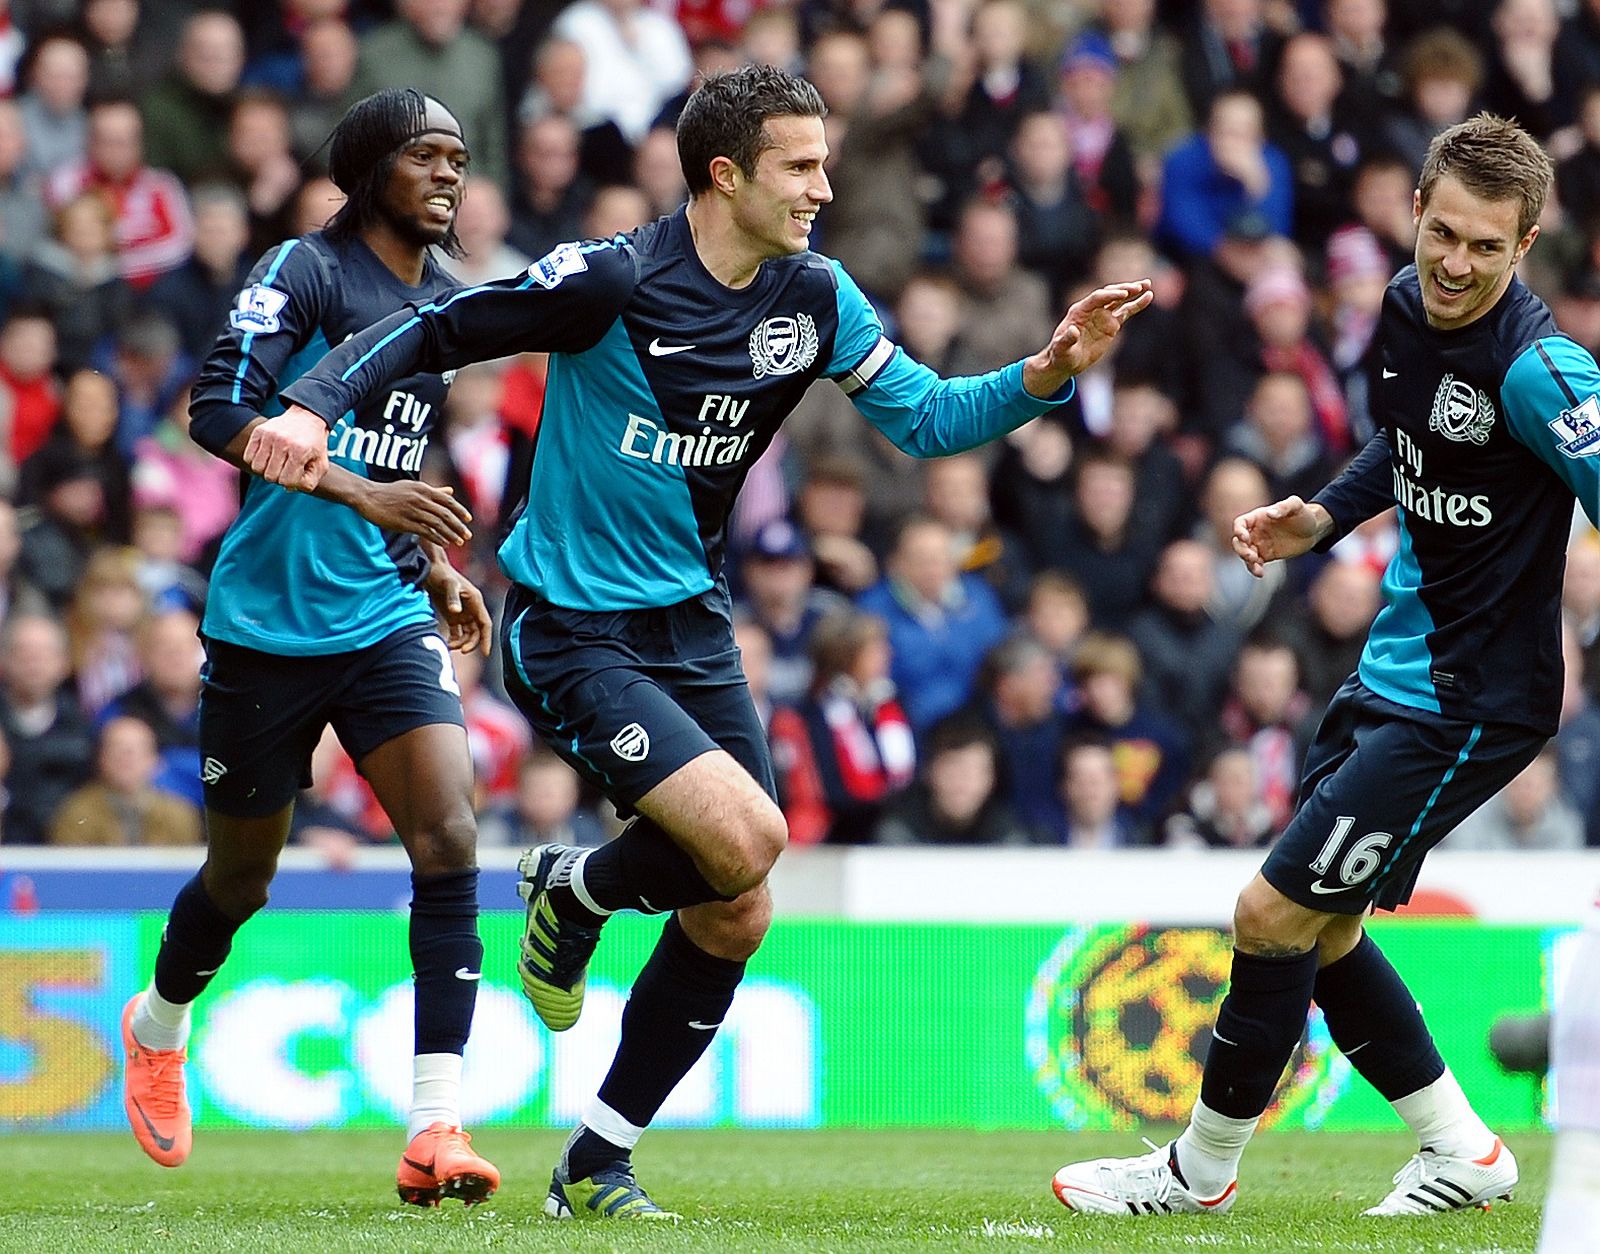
x: 1045, y: 642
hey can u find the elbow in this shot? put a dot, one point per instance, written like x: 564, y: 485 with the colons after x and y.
x: 213, y: 426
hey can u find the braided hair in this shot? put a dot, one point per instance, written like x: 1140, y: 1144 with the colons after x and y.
x: 364, y: 148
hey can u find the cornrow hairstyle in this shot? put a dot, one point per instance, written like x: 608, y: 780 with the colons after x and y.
x: 362, y: 154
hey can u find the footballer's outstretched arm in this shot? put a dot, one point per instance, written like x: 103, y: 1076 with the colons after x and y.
x: 563, y: 304
x: 929, y: 416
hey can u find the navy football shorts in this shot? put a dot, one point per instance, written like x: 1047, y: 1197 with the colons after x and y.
x: 1383, y: 784
x: 629, y: 696
x: 261, y: 714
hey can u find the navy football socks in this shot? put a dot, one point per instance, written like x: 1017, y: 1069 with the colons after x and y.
x: 194, y: 944
x: 1260, y: 1022
x: 447, y: 957
x: 1375, y: 1022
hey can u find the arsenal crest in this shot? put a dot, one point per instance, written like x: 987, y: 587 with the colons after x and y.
x: 1461, y: 412
x: 783, y: 345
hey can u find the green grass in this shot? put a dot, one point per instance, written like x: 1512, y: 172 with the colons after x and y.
x: 774, y: 1191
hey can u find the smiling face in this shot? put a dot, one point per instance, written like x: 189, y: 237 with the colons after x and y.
x: 428, y: 180
x: 774, y: 210
x: 1467, y: 251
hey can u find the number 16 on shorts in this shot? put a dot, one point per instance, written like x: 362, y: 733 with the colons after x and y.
x: 1360, y: 861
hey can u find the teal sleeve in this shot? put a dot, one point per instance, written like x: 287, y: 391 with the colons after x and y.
x: 1551, y: 397
x: 921, y: 413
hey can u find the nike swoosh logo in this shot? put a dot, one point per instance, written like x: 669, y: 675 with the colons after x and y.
x: 1218, y: 1035
x: 658, y: 349
x: 705, y: 1027
x: 165, y: 1142
x: 213, y: 971
x: 1324, y: 889
x: 425, y: 1168
x: 463, y: 974
x: 1390, y: 374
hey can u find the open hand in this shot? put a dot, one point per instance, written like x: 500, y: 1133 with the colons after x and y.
x: 1084, y: 335
x: 1284, y: 529
x: 418, y: 508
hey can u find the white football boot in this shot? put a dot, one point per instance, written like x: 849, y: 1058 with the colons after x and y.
x: 1432, y: 1183
x: 1146, y: 1185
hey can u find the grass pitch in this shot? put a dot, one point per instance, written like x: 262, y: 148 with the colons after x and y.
x: 844, y: 1192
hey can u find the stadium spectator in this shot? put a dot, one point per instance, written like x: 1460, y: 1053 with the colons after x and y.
x: 956, y: 492
x: 1329, y: 636
x: 262, y: 164
x: 108, y: 610
x: 483, y: 223
x: 74, y: 276
x: 657, y: 171
x: 1366, y: 57
x: 30, y: 398
x: 329, y: 58
x: 1003, y: 305
x: 172, y: 470
x: 1279, y: 435
x: 1268, y: 713
x: 123, y: 806
x: 1057, y: 616
x: 780, y: 595
x: 1226, y: 171
x: 1187, y: 653
x: 1056, y: 228
x: 318, y: 200
x: 127, y: 50
x: 551, y: 194
x: 23, y: 220
x: 1093, y: 814
x: 82, y: 443
x: 755, y: 657
x: 1358, y: 273
x: 843, y: 750
x: 955, y: 799
x: 479, y: 449
x: 51, y: 742
x: 1019, y: 700
x: 59, y: 534
x: 197, y: 295
x: 1442, y: 72
x: 559, y: 68
x: 616, y: 210
x: 167, y: 699
x: 1030, y: 489
x: 546, y: 807
x: 154, y: 229
x: 167, y: 581
x: 1382, y: 200
x: 1141, y: 419
x: 1529, y: 813
x: 1148, y: 101
x: 876, y: 224
x: 1577, y: 51
x: 1101, y: 547
x: 1228, y: 48
x: 1102, y: 158
x: 186, y: 114
x: 1279, y: 305
x: 635, y: 60
x: 1521, y: 81
x: 1149, y: 749
x: 1225, y: 810
x: 52, y: 107
x: 1231, y: 487
x: 941, y: 622
x: 430, y: 47
x: 831, y: 509
x: 150, y: 370
x: 1310, y: 124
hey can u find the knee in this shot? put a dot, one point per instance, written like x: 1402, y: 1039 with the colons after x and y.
x: 238, y: 891
x: 732, y: 929
x: 449, y: 843
x: 1268, y: 924
x: 762, y: 835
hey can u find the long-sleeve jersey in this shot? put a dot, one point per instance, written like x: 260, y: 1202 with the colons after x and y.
x: 664, y: 386
x: 1485, y: 434
x: 298, y: 575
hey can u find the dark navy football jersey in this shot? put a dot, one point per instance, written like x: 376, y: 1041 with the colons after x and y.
x: 664, y: 387
x: 1485, y: 435
x: 299, y: 575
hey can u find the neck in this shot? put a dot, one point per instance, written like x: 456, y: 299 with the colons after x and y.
x: 402, y: 256
x: 729, y: 260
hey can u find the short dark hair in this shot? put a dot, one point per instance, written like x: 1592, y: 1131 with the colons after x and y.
x: 727, y: 117
x: 362, y: 153
x: 1494, y: 158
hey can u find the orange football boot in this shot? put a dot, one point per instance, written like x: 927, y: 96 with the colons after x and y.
x: 439, y: 1163
x: 153, y: 1095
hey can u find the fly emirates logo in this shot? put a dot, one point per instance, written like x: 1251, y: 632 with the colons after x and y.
x: 1432, y: 504
x: 399, y: 446
x: 718, y: 442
